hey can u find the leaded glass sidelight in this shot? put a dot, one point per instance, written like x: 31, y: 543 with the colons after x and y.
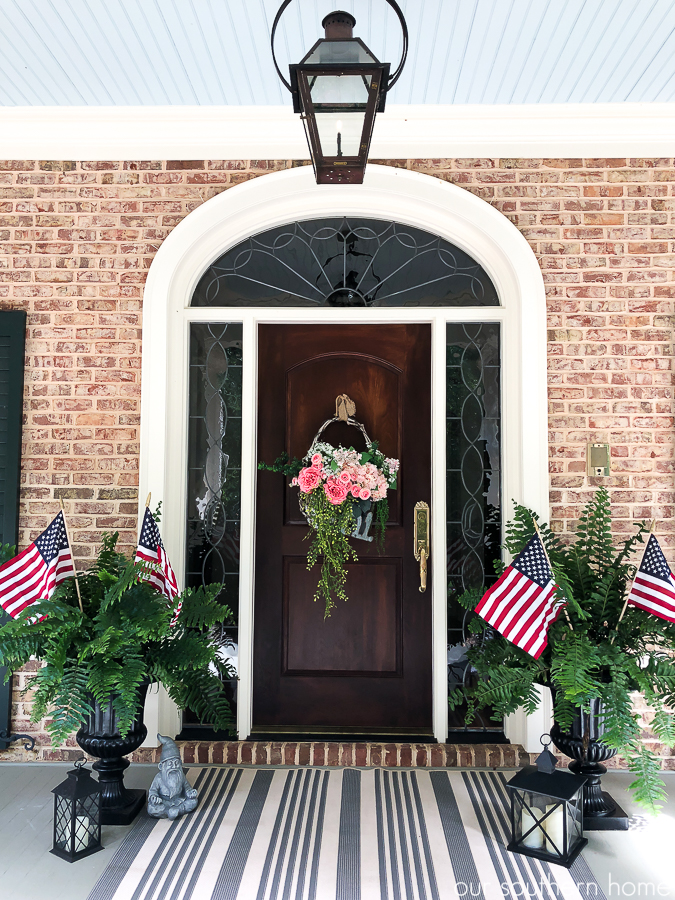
x: 473, y: 464
x: 348, y: 262
x: 214, y: 469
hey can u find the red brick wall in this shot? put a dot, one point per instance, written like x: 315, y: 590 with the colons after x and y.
x: 77, y: 239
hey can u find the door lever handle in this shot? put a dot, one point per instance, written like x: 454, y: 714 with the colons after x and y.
x: 422, y: 543
x: 423, y: 571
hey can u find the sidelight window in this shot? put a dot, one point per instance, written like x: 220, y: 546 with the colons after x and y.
x: 473, y: 476
x: 214, y: 471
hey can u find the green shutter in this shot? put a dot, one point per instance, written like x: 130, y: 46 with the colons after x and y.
x: 12, y: 350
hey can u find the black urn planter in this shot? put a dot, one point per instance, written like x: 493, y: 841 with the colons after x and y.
x: 601, y: 812
x: 99, y: 736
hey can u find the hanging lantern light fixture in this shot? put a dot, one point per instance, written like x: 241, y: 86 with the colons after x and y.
x: 338, y: 88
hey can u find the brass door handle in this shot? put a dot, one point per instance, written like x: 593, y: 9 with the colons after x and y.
x: 422, y: 544
x: 423, y: 571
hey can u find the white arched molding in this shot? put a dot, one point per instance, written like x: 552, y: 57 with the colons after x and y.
x: 387, y: 193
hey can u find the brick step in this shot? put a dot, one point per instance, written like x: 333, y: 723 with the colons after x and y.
x: 316, y: 753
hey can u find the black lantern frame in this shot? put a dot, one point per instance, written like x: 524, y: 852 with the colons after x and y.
x: 547, y: 821
x: 340, y: 55
x: 77, y: 815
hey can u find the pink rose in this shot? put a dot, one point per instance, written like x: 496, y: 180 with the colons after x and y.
x: 317, y: 459
x: 364, y: 494
x: 335, y: 491
x: 356, y: 490
x: 308, y: 479
x: 294, y: 483
x: 344, y: 477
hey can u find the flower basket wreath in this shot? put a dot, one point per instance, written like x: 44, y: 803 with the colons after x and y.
x: 342, y: 490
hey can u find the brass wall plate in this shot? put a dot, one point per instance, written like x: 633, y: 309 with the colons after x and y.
x: 597, y: 460
x: 422, y: 529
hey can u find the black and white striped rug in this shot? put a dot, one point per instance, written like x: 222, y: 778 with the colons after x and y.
x: 337, y: 834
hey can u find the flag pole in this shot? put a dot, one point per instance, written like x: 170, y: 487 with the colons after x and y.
x: 77, y: 583
x: 536, y: 528
x: 652, y: 525
x: 147, y: 500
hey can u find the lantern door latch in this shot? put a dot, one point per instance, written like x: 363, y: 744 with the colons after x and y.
x: 422, y: 543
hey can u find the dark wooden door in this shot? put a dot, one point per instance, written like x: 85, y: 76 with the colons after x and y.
x: 368, y: 667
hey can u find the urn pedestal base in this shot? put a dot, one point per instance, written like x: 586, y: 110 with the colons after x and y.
x: 614, y: 821
x: 601, y: 811
x: 134, y: 801
x: 119, y: 805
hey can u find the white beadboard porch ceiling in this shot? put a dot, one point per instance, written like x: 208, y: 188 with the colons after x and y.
x: 216, y: 52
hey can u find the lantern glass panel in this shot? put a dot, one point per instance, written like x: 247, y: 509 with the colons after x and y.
x: 340, y: 135
x: 62, y: 824
x: 86, y: 823
x: 339, y: 93
x: 575, y: 822
x: 336, y: 52
x: 529, y: 809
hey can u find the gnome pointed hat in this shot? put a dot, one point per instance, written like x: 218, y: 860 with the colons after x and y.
x: 169, y: 749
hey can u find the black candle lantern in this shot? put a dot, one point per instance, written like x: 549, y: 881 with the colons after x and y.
x: 338, y: 88
x: 77, y: 815
x: 547, y: 812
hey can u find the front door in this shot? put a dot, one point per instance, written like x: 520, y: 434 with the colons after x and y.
x: 367, y: 668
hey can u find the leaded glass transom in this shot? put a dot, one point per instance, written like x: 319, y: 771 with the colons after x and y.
x: 345, y: 262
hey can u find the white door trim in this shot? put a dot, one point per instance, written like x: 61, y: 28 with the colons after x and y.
x: 387, y: 193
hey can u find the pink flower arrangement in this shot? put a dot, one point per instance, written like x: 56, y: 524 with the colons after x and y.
x: 343, y: 493
x: 346, y: 474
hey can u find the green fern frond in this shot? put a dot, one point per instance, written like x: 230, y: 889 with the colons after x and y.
x: 649, y: 789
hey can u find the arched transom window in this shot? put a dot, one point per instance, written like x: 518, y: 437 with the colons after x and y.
x: 350, y: 262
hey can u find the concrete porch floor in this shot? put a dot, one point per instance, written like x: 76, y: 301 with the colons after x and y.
x: 637, y: 863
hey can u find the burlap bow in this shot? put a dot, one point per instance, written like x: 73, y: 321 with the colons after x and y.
x: 344, y: 407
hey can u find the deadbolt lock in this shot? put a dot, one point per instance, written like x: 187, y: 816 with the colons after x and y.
x: 422, y: 543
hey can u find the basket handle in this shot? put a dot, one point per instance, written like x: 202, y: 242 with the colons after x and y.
x: 350, y: 421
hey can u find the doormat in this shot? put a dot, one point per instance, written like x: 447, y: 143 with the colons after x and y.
x: 337, y: 834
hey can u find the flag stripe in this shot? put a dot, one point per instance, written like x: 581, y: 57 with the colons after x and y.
x: 639, y: 594
x: 38, y: 570
x: 151, y: 550
x: 38, y: 585
x: 648, y: 586
x: 532, y: 625
x: 493, y: 595
x: 653, y: 589
x: 522, y: 604
x: 527, y: 593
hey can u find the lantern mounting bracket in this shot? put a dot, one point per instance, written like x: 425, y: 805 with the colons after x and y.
x: 393, y: 78
x: 7, y: 738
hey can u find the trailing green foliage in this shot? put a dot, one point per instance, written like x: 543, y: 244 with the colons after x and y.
x: 284, y: 465
x: 587, y: 656
x: 123, y: 638
x: 331, y: 528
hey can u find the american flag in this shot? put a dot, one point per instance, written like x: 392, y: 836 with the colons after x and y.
x: 654, y: 585
x: 522, y: 604
x: 151, y: 550
x: 38, y: 570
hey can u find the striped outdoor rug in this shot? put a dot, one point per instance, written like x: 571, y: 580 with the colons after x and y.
x: 337, y: 834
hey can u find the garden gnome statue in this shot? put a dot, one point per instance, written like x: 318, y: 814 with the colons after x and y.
x: 170, y: 794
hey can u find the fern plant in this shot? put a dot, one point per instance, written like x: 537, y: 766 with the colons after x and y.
x: 592, y: 659
x: 123, y: 638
